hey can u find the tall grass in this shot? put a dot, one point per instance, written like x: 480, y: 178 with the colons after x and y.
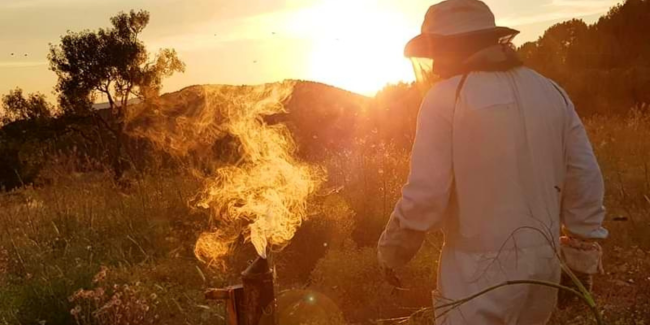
x: 57, y: 237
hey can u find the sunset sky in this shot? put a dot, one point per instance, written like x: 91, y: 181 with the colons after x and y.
x: 353, y: 44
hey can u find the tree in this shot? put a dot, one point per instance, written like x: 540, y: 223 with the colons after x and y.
x: 550, y: 53
x: 603, y: 66
x: 111, y: 62
x: 18, y: 107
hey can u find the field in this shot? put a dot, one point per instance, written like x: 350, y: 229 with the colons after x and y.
x: 78, y: 249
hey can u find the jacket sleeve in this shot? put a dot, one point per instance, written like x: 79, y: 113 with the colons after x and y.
x: 582, y: 199
x: 426, y: 195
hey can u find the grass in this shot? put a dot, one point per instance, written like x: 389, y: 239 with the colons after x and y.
x: 623, y: 151
x: 58, y: 239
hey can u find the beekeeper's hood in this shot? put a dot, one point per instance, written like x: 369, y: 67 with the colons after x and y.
x: 454, y: 27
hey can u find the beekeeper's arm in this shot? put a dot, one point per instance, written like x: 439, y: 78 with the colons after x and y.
x: 426, y: 194
x: 582, y: 197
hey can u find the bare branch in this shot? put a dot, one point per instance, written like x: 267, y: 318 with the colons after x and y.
x: 589, y: 302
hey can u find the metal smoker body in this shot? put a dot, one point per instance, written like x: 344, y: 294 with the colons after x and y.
x: 253, y: 301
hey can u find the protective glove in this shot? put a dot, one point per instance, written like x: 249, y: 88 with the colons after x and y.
x: 584, y: 259
x: 388, y: 272
x: 391, y: 277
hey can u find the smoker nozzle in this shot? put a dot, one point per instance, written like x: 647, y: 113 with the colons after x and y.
x: 258, y: 268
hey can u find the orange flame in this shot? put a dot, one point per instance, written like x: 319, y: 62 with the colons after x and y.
x: 263, y: 196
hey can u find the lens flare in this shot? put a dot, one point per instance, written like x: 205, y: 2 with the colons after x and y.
x: 263, y: 195
x: 307, y: 307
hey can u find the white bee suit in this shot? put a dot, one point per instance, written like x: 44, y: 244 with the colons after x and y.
x: 501, y: 170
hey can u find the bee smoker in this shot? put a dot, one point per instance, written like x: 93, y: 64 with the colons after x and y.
x: 253, y: 301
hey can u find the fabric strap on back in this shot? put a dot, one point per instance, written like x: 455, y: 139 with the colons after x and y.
x: 566, y: 101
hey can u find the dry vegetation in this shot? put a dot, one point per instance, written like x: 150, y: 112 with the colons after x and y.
x: 81, y: 250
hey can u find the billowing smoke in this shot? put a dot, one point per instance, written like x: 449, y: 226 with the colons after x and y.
x: 262, y: 193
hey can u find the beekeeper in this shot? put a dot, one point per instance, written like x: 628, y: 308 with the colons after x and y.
x: 502, y: 164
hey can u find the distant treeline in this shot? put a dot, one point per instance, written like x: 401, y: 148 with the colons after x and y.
x: 605, y: 67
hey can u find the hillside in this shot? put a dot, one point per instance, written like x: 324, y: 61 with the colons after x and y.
x: 320, y: 116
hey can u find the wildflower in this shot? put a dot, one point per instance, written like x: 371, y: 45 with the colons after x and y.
x: 75, y: 295
x: 99, y: 292
x: 75, y: 311
x: 101, y: 275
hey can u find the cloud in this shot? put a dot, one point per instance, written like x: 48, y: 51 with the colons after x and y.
x: 216, y: 33
x: 25, y: 4
x: 600, y: 4
x: 561, y: 10
x: 23, y: 64
x: 200, y: 40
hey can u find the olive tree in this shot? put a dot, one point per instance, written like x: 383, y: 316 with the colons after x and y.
x: 114, y: 63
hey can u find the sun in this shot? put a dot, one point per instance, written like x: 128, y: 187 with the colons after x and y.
x: 358, y: 45
x: 362, y: 66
